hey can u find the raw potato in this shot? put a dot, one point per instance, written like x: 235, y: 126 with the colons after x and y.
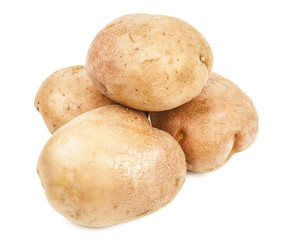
x: 221, y: 121
x: 149, y: 62
x: 66, y: 94
x: 110, y: 165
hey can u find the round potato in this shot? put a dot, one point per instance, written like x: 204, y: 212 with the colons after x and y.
x: 221, y: 121
x: 149, y: 62
x: 109, y: 166
x: 66, y: 94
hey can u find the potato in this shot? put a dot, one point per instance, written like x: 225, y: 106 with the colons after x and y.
x: 221, y: 121
x: 66, y: 94
x: 110, y: 165
x: 149, y: 62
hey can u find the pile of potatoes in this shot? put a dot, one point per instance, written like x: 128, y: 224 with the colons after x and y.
x: 106, y: 162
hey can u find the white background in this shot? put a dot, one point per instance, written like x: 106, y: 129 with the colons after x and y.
x: 242, y: 200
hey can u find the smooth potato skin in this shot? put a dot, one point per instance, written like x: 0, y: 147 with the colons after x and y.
x: 221, y: 121
x: 149, y: 62
x: 66, y: 94
x: 109, y: 166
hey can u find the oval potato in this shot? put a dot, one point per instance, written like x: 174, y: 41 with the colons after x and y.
x: 149, y: 62
x: 66, y: 94
x: 219, y: 122
x: 109, y: 166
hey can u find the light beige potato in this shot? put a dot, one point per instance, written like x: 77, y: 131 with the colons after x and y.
x: 109, y: 166
x: 221, y: 121
x: 149, y: 62
x: 66, y: 94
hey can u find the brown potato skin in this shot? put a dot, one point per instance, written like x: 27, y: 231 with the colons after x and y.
x: 66, y: 94
x: 149, y: 62
x: 109, y: 166
x: 219, y: 122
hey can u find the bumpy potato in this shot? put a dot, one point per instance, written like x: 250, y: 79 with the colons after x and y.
x: 110, y: 165
x: 221, y: 121
x: 149, y: 62
x: 66, y: 94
